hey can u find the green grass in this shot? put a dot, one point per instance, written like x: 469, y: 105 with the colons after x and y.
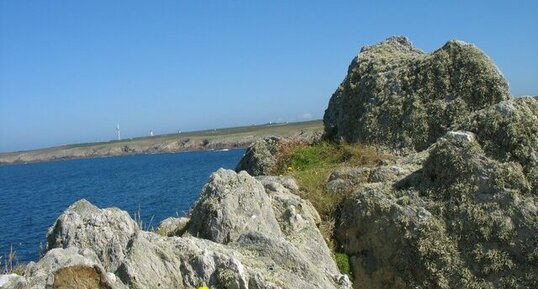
x: 342, y: 261
x: 311, y: 167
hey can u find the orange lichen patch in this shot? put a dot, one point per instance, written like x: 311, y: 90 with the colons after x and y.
x: 79, y: 277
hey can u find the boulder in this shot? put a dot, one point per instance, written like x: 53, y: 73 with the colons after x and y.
x: 260, y: 157
x: 464, y: 220
x: 398, y: 96
x: 508, y: 132
x: 344, y: 180
x: 70, y: 268
x: 230, y: 204
x: 12, y: 281
x: 105, y: 231
x: 173, y: 226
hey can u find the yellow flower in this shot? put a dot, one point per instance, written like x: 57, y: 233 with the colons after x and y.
x: 203, y: 287
x: 290, y: 168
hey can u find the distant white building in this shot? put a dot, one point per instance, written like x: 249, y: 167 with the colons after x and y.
x: 118, y: 132
x: 151, y: 133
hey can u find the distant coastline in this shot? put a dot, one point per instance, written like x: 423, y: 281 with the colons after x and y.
x: 217, y: 139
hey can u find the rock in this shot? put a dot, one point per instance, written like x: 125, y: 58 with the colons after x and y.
x: 173, y: 226
x: 401, y: 97
x: 344, y: 180
x: 274, y: 184
x: 280, y: 248
x: 231, y: 204
x: 70, y: 268
x: 508, y: 132
x: 12, y: 281
x: 466, y: 220
x: 105, y: 231
x: 260, y: 157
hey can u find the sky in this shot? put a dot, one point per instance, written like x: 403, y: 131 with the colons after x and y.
x: 71, y: 70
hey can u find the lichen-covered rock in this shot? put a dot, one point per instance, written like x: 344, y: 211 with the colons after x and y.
x: 70, y: 268
x: 401, y: 97
x: 461, y: 220
x: 231, y: 204
x: 106, y: 231
x: 260, y: 157
x: 508, y: 131
x: 344, y: 180
x: 173, y: 226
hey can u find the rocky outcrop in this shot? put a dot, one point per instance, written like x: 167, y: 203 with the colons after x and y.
x: 508, y: 132
x: 458, y: 218
x: 105, y: 231
x: 230, y: 205
x: 260, y: 158
x: 398, y: 96
x: 242, y: 233
x: 173, y: 226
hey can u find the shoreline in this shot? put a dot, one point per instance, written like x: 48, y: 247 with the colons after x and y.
x: 228, y: 138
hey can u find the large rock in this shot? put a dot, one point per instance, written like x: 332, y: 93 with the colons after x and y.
x: 462, y: 219
x: 70, y: 268
x: 105, y: 231
x: 508, y: 131
x: 401, y: 97
x: 12, y: 281
x: 260, y: 157
x: 231, y: 204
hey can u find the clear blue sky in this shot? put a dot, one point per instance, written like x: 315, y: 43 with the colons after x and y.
x: 71, y: 70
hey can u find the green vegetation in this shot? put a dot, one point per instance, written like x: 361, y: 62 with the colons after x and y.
x: 342, y: 261
x: 311, y: 166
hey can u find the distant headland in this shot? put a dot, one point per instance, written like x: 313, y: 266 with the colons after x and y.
x: 213, y: 139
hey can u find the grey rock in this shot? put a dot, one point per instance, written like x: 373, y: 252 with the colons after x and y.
x: 230, y: 204
x: 173, y: 226
x: 345, y: 180
x: 464, y: 136
x: 454, y: 225
x: 105, y: 231
x: 260, y: 157
x: 12, y: 281
x: 70, y: 268
x: 401, y: 97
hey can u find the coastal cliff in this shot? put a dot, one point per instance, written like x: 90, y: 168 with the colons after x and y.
x: 427, y: 177
x: 218, y: 139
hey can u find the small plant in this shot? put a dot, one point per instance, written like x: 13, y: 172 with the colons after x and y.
x: 10, y: 264
x: 343, y: 263
x: 141, y: 225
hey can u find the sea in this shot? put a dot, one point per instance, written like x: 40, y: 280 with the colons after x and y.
x: 152, y: 186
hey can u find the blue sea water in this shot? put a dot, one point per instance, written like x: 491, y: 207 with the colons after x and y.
x: 158, y: 186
